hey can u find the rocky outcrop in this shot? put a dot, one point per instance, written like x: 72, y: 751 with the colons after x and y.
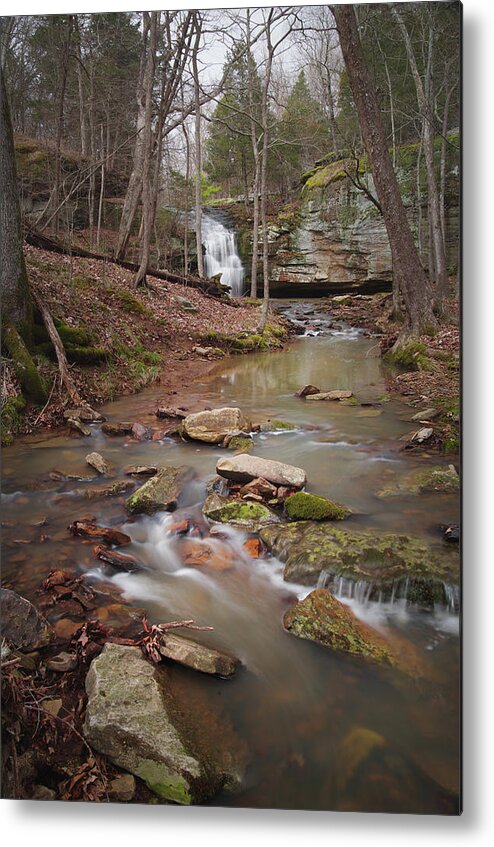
x: 380, y: 561
x: 338, y: 240
x: 244, y: 468
x: 161, y: 492
x: 134, y: 718
x: 213, y: 426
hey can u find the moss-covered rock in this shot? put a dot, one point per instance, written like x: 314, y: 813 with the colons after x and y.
x: 239, y: 513
x: 310, y: 507
x: 320, y: 617
x: 132, y: 718
x: 161, y: 492
x: 240, y: 443
x: 275, y: 425
x: 384, y: 561
x: 440, y: 479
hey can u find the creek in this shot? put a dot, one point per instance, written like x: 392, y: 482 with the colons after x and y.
x: 294, y: 703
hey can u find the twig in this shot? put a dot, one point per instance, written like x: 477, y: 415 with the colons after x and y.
x: 47, y: 402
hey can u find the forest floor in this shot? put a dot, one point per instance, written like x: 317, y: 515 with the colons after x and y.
x: 431, y: 376
x: 128, y: 338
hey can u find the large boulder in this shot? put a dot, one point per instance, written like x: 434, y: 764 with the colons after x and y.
x: 243, y: 468
x: 161, y: 492
x: 21, y: 623
x: 385, y: 564
x: 320, y: 617
x: 214, y: 425
x: 135, y: 717
x: 241, y: 513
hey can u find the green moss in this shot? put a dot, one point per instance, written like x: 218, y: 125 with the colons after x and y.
x: 240, y: 513
x: 308, y: 548
x: 74, y: 336
x: 275, y: 425
x: 128, y: 303
x: 241, y: 443
x: 411, y: 357
x: 11, y: 417
x: 149, y: 357
x: 309, y: 507
x: 23, y: 365
x: 163, y: 783
x: 435, y: 479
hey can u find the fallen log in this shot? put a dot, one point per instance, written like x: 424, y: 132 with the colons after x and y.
x: 210, y: 287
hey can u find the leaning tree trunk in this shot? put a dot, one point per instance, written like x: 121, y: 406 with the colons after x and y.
x: 407, y: 270
x: 16, y: 296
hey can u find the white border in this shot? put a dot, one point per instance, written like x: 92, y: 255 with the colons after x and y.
x: 85, y: 825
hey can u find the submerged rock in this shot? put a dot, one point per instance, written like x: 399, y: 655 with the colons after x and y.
x: 199, y: 657
x: 239, y: 513
x: 441, y: 479
x: 310, y: 507
x: 243, y: 468
x: 84, y: 413
x: 320, y: 617
x: 117, y: 429
x: 161, y: 492
x: 133, y: 718
x: 381, y: 560
x: 113, y: 490
x: 214, y: 425
x: 371, y: 768
x: 21, y: 623
x: 331, y: 395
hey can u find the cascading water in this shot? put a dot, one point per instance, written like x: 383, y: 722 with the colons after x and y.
x: 221, y: 255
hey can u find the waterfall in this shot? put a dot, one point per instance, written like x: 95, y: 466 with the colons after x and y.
x: 221, y: 255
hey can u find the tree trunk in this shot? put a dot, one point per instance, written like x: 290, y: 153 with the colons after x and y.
x: 186, y: 203
x: 426, y: 110
x: 263, y: 186
x: 255, y: 155
x: 80, y: 84
x: 61, y: 103
x: 409, y: 276
x: 134, y: 187
x: 197, y: 125
x: 147, y: 199
x: 16, y: 295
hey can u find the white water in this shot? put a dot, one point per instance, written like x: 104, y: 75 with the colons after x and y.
x: 221, y: 255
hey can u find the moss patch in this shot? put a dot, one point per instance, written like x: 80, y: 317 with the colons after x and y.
x: 438, y: 479
x: 309, y: 507
x: 11, y: 417
x: 240, y: 513
x: 411, y: 357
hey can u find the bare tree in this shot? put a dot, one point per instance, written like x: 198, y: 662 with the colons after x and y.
x: 426, y: 109
x: 198, y: 145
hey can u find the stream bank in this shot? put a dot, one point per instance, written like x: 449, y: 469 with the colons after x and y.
x: 295, y: 711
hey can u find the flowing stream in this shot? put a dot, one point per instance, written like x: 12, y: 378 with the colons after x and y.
x: 294, y: 704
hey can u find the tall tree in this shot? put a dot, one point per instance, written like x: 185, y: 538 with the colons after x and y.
x: 17, y: 304
x: 408, y: 273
